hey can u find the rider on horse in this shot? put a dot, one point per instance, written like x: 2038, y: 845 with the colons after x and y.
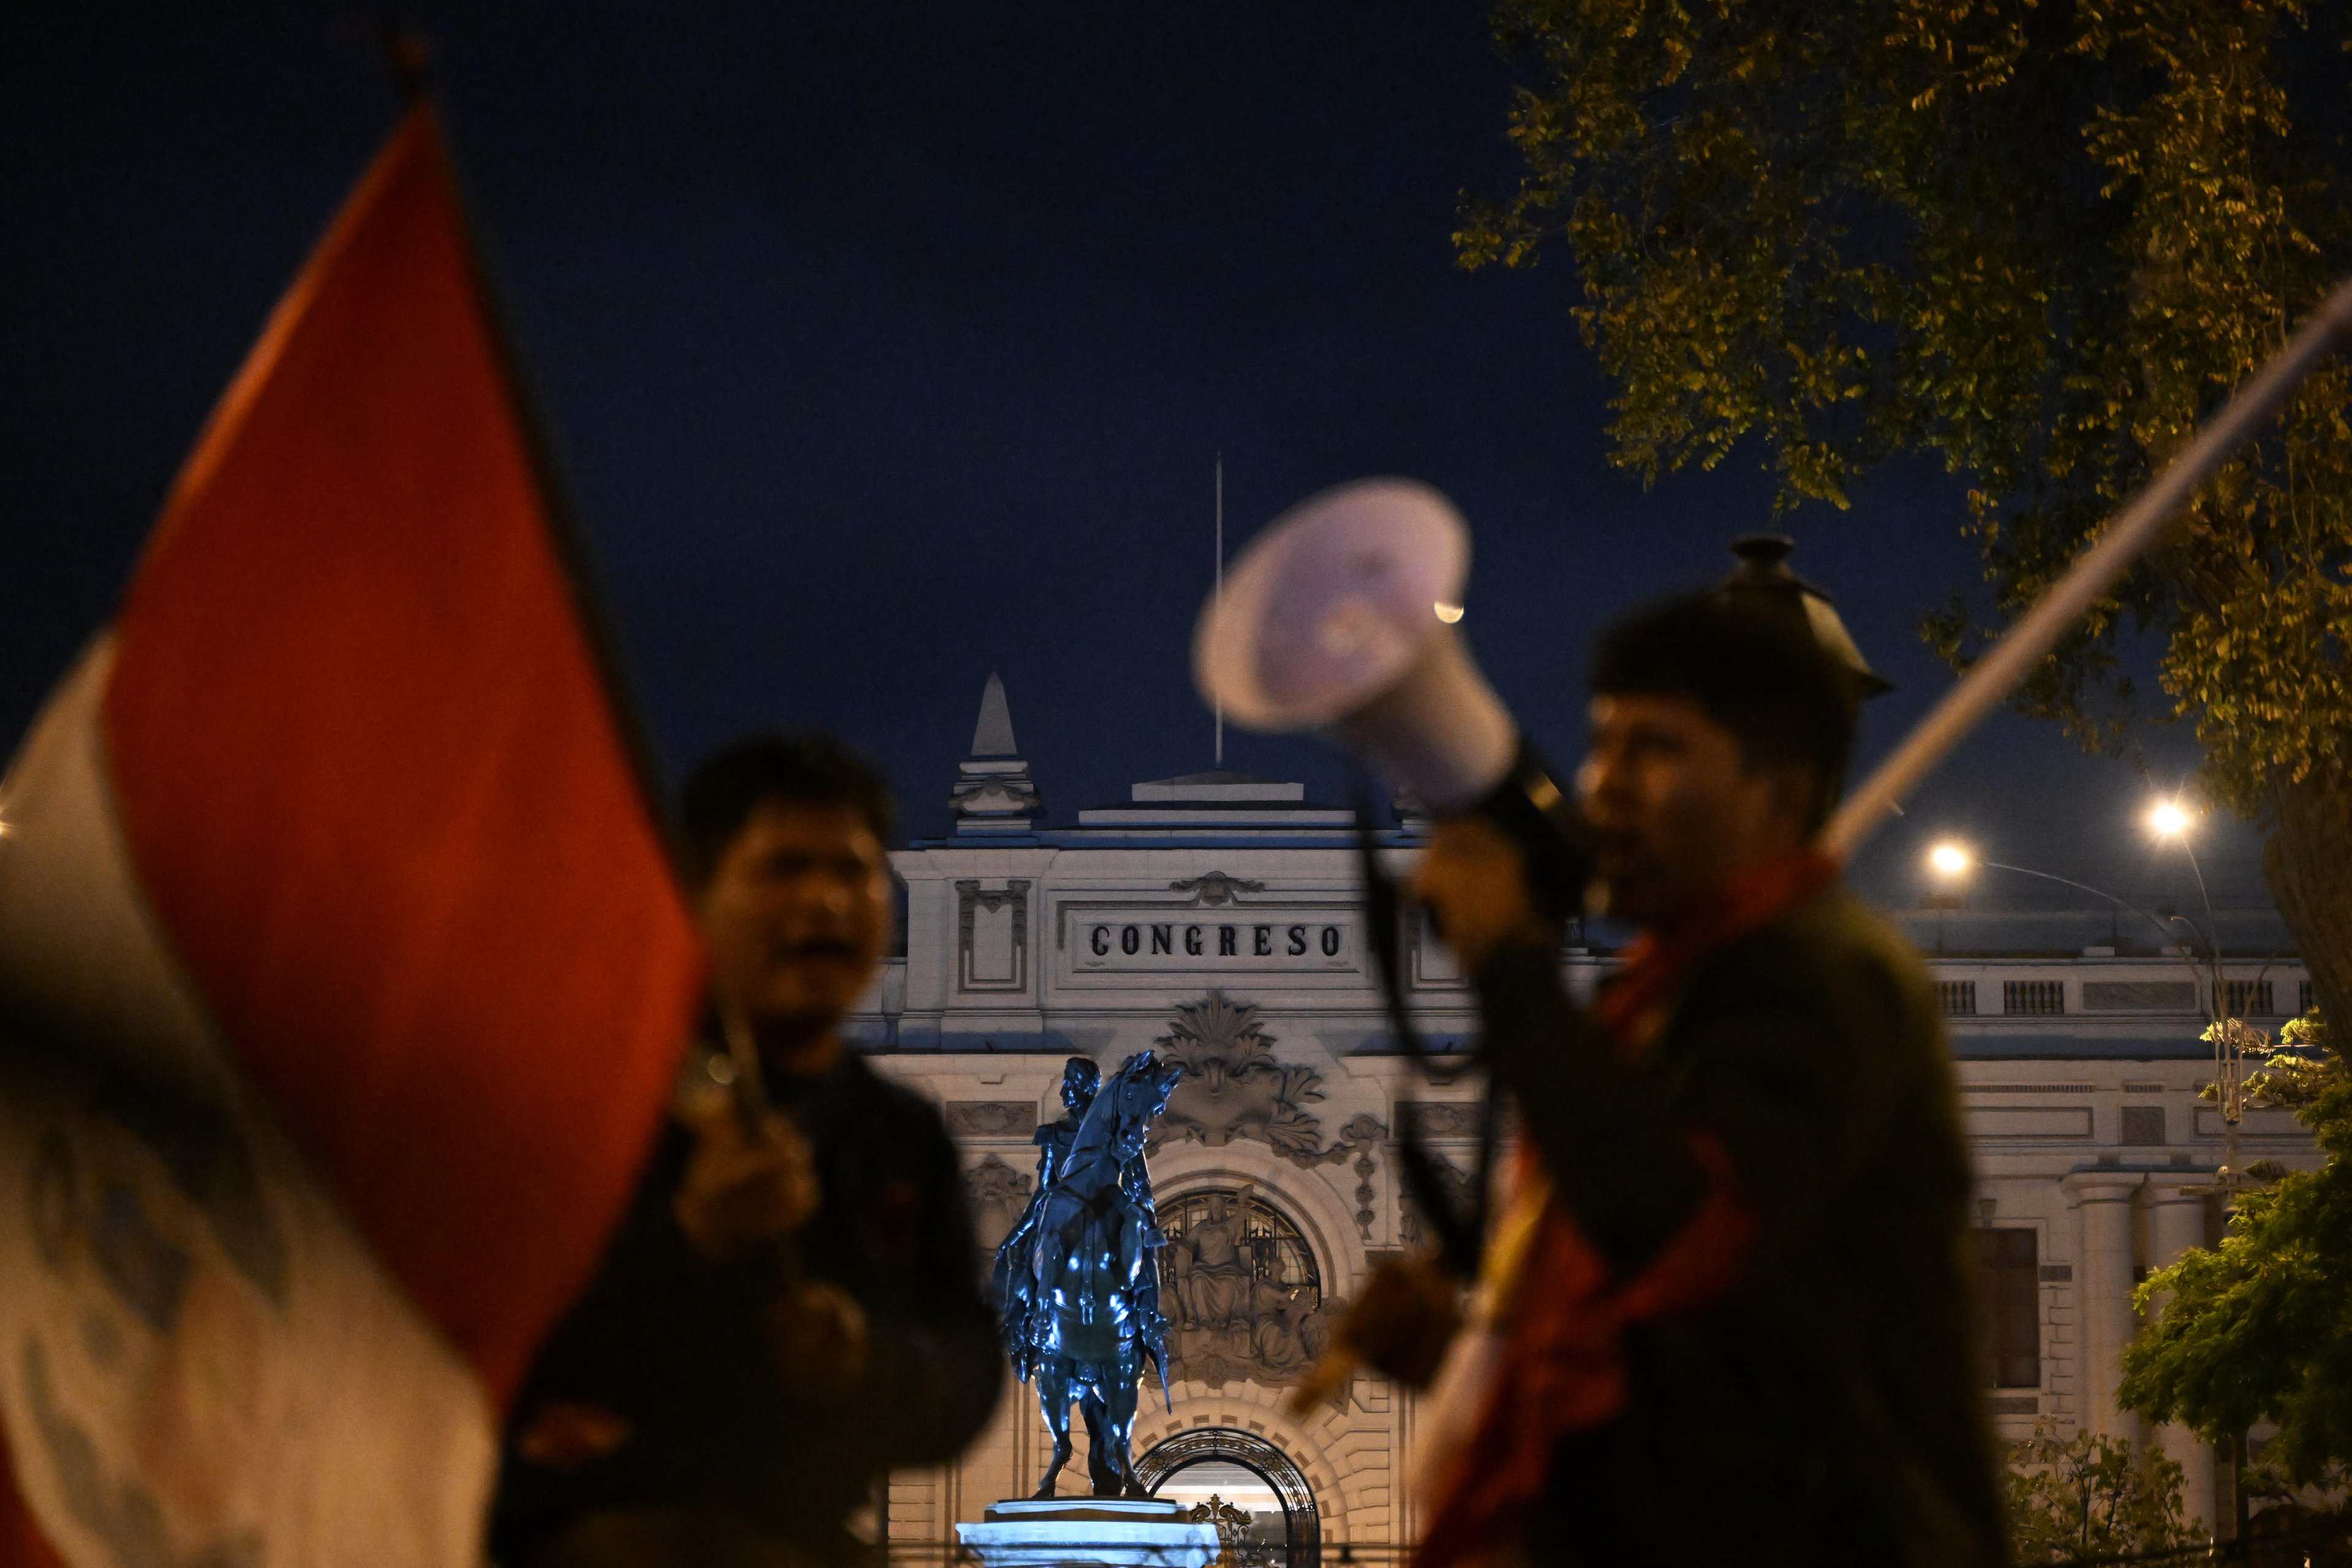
x: 1079, y: 1278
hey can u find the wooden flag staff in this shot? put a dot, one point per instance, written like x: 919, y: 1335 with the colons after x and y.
x: 1990, y: 680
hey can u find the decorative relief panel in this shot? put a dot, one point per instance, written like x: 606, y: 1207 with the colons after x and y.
x: 992, y: 1119
x: 1243, y: 1297
x: 992, y: 937
x: 1215, y: 888
x: 2140, y: 995
x: 1233, y: 1087
x: 998, y: 1194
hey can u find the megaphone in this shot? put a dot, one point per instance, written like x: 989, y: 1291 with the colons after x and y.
x: 1340, y: 617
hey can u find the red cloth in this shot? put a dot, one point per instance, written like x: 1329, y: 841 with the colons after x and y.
x: 1563, y: 1367
x: 374, y: 782
x: 22, y: 1544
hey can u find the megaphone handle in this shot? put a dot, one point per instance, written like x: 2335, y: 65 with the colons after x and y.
x: 1539, y: 816
x: 1383, y: 920
x: 1459, y: 1239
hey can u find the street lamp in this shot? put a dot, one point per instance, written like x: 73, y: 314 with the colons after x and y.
x: 1950, y: 860
x: 2230, y: 1036
x: 2169, y: 819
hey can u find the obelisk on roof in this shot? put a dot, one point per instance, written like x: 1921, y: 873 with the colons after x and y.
x: 993, y: 792
x: 992, y: 736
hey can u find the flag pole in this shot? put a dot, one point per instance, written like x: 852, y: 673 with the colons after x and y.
x: 1993, y: 678
x: 1220, y: 594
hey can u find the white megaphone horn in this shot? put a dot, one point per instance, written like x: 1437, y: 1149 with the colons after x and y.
x: 1339, y: 616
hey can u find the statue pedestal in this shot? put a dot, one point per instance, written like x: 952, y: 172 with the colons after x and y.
x: 1079, y: 1533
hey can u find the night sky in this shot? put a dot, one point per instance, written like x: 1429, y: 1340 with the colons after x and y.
x: 887, y: 344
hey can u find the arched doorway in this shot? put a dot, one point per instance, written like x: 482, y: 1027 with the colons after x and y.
x: 1249, y: 1475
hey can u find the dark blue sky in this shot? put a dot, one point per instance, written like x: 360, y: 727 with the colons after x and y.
x: 886, y: 344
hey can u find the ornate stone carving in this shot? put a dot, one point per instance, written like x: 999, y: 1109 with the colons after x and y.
x: 1215, y: 888
x: 1241, y: 1290
x: 998, y: 1194
x: 1008, y: 796
x: 1233, y: 1087
x: 991, y: 1118
x: 1232, y: 1528
x: 1365, y: 1135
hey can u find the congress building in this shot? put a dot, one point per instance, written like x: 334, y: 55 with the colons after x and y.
x: 1214, y: 919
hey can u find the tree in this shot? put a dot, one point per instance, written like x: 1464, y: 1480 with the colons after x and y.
x: 2091, y: 1495
x: 2035, y: 239
x: 2259, y: 1327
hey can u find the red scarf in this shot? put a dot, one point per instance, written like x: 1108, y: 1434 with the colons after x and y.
x: 1563, y: 1367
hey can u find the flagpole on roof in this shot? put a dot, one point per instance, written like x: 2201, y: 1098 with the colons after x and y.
x: 1220, y: 593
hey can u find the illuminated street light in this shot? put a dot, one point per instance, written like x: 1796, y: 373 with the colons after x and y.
x: 1950, y: 860
x: 1449, y: 613
x: 2169, y: 819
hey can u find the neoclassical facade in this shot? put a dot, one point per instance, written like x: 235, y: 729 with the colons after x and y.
x: 1214, y: 918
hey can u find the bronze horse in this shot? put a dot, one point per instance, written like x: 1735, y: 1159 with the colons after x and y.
x: 1082, y: 1308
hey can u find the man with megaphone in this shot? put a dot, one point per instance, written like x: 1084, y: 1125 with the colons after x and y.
x: 1723, y: 1314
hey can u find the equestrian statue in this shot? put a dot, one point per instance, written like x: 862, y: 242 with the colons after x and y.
x: 1079, y: 1278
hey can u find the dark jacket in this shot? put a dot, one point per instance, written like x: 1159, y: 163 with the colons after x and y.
x: 1827, y: 1411
x: 674, y: 1343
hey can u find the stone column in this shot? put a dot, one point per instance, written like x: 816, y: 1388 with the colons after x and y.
x: 2176, y: 1224
x: 2103, y: 1290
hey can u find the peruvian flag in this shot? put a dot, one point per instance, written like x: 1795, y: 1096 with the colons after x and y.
x: 344, y: 968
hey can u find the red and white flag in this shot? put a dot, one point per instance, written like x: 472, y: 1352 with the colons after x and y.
x: 344, y: 968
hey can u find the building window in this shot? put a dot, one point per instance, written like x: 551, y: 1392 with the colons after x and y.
x: 2302, y: 999
x: 2036, y: 996
x: 2247, y: 999
x: 2009, y: 1277
x: 2143, y: 1125
x: 1958, y: 997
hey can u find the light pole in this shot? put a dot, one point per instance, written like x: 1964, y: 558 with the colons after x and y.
x: 1950, y: 860
x: 2169, y: 819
